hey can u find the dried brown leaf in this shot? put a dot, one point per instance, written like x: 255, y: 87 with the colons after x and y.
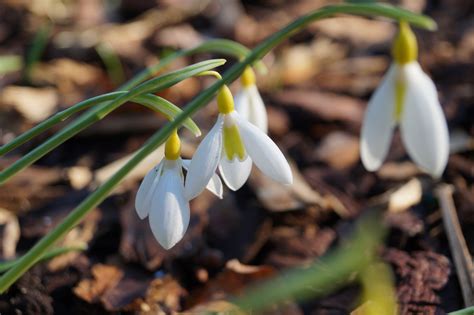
x: 10, y: 233
x: 105, y: 277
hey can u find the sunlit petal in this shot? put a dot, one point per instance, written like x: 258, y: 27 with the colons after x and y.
x: 264, y: 152
x: 257, y: 111
x: 379, y: 122
x: 423, y: 125
x: 241, y: 103
x: 169, y: 216
x: 235, y: 173
x: 214, y: 185
x: 145, y: 191
x: 205, y: 160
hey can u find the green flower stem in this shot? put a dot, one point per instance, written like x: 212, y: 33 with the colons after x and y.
x: 95, y: 198
x: 4, y: 266
x: 221, y: 46
x: 97, y: 113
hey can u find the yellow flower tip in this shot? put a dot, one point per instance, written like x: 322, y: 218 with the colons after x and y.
x: 248, y: 77
x: 233, y: 145
x: 225, y: 101
x: 405, y: 46
x: 173, y: 147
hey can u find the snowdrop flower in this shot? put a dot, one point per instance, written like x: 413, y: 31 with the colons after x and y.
x: 161, y: 195
x: 232, y: 144
x: 248, y: 102
x: 407, y: 97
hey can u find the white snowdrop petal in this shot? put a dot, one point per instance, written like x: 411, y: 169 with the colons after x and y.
x: 257, y: 111
x: 204, y: 162
x: 215, y: 183
x: 169, y: 216
x: 215, y: 186
x: 235, y: 173
x: 379, y: 122
x: 241, y: 103
x: 423, y: 125
x: 264, y: 152
x: 145, y: 191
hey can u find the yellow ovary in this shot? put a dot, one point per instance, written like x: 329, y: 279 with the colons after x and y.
x: 405, y: 47
x: 173, y: 146
x: 248, y: 77
x: 225, y: 101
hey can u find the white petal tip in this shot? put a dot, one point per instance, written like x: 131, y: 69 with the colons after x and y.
x: 141, y: 216
x: 371, y: 166
x: 167, y: 246
x: 190, y: 193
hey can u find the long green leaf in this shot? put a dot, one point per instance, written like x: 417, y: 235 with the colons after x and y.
x: 151, y: 101
x: 99, y: 112
x: 5, y: 265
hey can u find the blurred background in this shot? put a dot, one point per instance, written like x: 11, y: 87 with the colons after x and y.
x: 55, y: 53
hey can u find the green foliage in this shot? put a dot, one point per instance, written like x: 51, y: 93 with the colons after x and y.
x: 332, y: 271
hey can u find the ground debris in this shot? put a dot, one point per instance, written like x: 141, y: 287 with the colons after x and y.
x: 420, y: 275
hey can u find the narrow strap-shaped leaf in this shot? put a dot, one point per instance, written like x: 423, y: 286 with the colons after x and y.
x: 223, y: 46
x: 165, y: 107
x: 99, y: 112
x: 5, y: 265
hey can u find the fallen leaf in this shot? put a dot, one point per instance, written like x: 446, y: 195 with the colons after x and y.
x: 182, y: 36
x: 398, y: 170
x: 327, y: 106
x: 339, y: 149
x: 231, y: 281
x: 79, y: 176
x: 349, y: 28
x: 35, y: 104
x: 105, y: 277
x: 277, y: 197
x: 10, y: 233
x: 162, y: 296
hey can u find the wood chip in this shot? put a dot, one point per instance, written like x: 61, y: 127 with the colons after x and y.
x: 327, y: 106
x: 462, y: 257
x: 406, y: 196
x: 10, y: 233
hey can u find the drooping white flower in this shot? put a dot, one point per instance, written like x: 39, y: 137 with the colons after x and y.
x: 232, y: 144
x: 161, y: 196
x: 407, y: 98
x: 249, y: 103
